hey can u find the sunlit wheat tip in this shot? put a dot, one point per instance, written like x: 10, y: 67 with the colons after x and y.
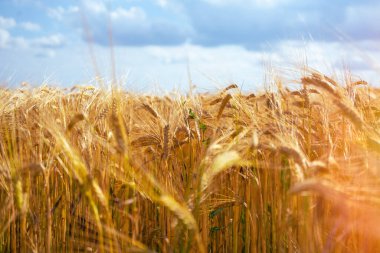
x: 221, y: 162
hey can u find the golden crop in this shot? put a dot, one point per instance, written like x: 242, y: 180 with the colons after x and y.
x: 109, y: 171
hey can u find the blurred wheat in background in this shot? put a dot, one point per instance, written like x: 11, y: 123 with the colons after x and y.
x: 96, y: 170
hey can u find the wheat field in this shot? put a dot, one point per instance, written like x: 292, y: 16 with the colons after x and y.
x: 97, y: 170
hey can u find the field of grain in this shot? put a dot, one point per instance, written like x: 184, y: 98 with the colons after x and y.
x: 96, y: 170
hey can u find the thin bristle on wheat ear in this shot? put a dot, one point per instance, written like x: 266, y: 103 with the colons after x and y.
x: 147, y: 140
x: 149, y: 109
x: 328, y: 79
x: 321, y: 84
x: 102, y: 114
x: 223, y: 105
x: 252, y: 95
x: 360, y: 82
x: 229, y: 87
x: 215, y: 101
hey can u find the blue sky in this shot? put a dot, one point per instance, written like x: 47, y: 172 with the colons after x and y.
x: 157, y: 41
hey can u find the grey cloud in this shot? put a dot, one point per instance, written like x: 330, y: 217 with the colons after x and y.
x: 251, y: 25
x: 362, y: 21
x: 132, y: 26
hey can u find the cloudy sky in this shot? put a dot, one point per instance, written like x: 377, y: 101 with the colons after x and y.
x: 160, y: 44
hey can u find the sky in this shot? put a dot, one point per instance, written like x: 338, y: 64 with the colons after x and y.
x: 159, y: 45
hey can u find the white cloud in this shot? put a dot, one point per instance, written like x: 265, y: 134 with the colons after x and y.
x: 60, y: 12
x: 8, y: 41
x: 133, y: 13
x: 244, y: 24
x: 4, y: 38
x: 133, y: 26
x: 362, y: 21
x: 30, y: 26
x: 48, y: 53
x: 210, y: 67
x: 52, y: 41
x: 95, y: 6
x: 162, y: 3
x: 56, y: 13
x: 7, y: 23
x: 72, y: 9
x: 19, y: 42
x: 258, y: 3
x: 331, y: 58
